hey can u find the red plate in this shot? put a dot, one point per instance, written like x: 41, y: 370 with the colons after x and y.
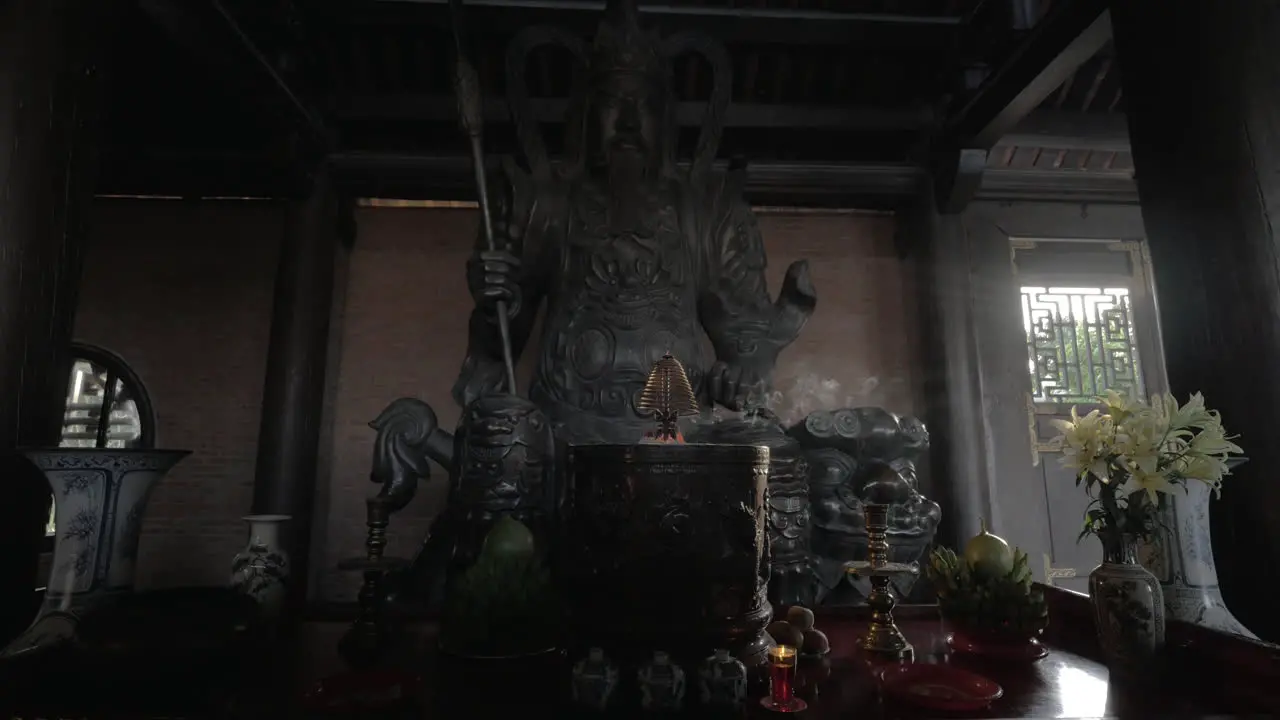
x: 939, y: 687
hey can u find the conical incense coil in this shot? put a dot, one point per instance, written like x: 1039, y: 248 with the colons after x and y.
x: 668, y: 395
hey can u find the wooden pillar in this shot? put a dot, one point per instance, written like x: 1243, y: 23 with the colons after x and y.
x: 49, y: 53
x: 1202, y: 92
x: 953, y: 393
x: 293, y: 396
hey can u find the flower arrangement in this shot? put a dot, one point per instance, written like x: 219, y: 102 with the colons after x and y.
x: 1134, y: 453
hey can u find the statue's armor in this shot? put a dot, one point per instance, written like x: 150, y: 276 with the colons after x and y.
x: 625, y: 292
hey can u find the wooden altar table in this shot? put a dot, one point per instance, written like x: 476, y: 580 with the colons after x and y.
x: 1204, y: 675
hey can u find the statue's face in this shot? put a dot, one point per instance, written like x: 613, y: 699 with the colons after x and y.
x: 625, y: 118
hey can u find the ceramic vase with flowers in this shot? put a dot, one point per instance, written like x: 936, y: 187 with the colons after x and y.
x: 1132, y: 457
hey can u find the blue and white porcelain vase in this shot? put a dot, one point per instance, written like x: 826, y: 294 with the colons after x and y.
x: 722, y: 680
x: 1182, y: 559
x: 594, y: 680
x: 661, y: 684
x: 99, y: 497
x: 261, y: 570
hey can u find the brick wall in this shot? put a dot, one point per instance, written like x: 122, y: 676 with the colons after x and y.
x: 405, y: 334
x: 182, y: 291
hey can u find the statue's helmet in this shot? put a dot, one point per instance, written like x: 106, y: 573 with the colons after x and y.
x: 621, y: 55
x: 622, y: 48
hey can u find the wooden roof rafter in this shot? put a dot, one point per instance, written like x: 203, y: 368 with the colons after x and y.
x: 213, y: 34
x: 376, y: 70
x: 1070, y: 33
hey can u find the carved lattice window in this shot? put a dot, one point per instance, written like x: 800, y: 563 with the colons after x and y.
x: 107, y: 406
x: 1081, y: 343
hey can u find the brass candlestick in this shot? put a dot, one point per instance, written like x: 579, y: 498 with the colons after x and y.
x: 366, y: 642
x: 883, y: 639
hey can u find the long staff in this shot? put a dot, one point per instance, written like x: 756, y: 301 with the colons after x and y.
x: 466, y: 83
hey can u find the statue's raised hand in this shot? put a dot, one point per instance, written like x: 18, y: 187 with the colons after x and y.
x: 734, y: 386
x: 747, y: 336
x: 493, y: 276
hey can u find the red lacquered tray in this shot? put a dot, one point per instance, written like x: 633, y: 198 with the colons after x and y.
x: 939, y: 687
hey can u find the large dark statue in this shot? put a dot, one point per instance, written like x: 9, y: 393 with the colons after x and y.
x: 632, y: 255
x: 629, y: 255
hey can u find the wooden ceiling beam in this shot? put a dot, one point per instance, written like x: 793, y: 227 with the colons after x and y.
x: 211, y: 33
x: 446, y: 177
x: 1070, y: 131
x: 1072, y: 32
x: 178, y: 173
x: 729, y: 25
x: 443, y: 108
x: 1091, y: 186
x: 688, y: 10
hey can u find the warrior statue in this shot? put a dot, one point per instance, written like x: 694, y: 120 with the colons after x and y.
x: 629, y: 256
x: 632, y: 255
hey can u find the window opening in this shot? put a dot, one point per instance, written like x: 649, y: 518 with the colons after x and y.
x: 1080, y: 343
x: 106, y: 406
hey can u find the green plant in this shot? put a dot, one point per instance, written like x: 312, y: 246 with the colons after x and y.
x: 503, y: 605
x: 1005, y: 604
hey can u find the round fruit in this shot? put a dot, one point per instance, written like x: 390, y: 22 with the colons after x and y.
x: 989, y: 556
x: 508, y: 538
x: 800, y: 617
x: 815, y: 671
x: 784, y: 633
x: 815, y: 643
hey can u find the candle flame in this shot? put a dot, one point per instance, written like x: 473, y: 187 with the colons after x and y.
x: 782, y: 652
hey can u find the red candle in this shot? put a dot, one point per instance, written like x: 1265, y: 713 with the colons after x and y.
x: 782, y: 675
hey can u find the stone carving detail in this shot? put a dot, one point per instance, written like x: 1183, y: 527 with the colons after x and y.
x: 787, y: 503
x: 501, y: 463
x: 859, y: 456
x: 821, y: 473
